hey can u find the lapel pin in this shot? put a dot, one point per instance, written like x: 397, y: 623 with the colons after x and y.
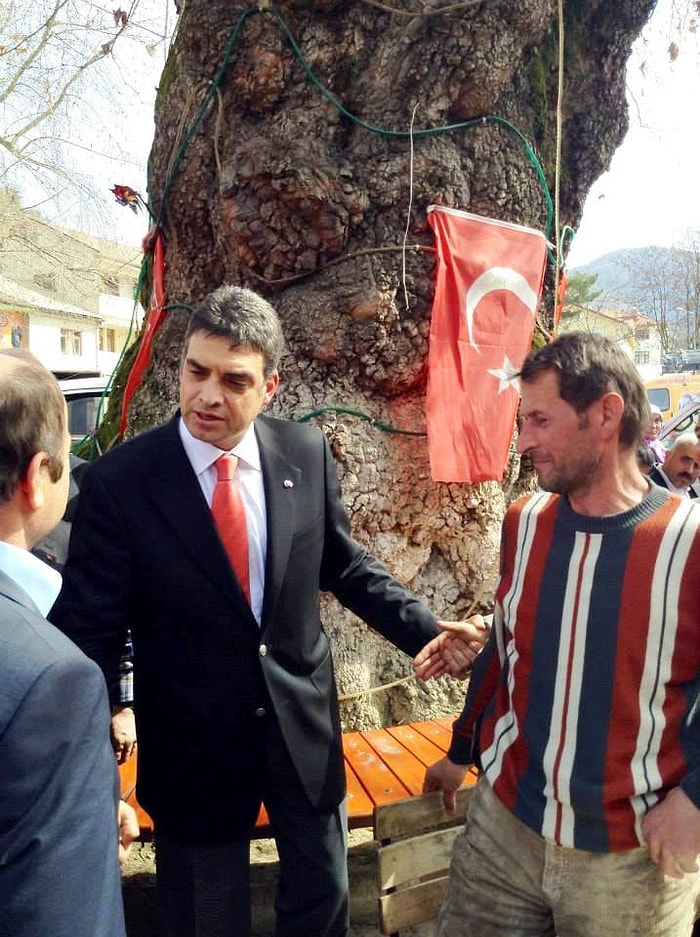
x: 288, y: 483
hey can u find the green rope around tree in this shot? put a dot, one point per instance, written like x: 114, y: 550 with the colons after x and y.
x: 379, y: 131
x: 384, y: 427
x: 370, y: 128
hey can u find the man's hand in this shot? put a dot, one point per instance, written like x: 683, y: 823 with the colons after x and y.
x: 454, y: 650
x: 672, y: 832
x: 123, y: 732
x: 127, y: 827
x: 447, y: 777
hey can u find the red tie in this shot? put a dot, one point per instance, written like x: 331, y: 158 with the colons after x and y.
x: 229, y: 517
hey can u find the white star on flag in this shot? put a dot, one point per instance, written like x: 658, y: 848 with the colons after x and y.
x: 505, y: 374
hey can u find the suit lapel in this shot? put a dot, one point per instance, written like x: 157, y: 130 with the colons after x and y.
x: 176, y: 493
x: 282, y: 481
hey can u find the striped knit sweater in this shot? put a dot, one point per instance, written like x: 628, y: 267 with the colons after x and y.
x: 584, y: 706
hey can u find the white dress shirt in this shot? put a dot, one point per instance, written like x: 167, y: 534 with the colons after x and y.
x: 202, y: 456
x: 41, y: 582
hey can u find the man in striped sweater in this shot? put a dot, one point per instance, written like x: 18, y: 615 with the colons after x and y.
x: 583, y: 709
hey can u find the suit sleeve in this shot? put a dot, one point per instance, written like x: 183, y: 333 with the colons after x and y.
x: 94, y: 604
x: 363, y: 584
x: 59, y: 873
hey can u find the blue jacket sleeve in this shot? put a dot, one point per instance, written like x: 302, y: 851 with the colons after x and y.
x: 59, y: 871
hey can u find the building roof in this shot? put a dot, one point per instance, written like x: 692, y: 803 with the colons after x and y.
x: 631, y: 317
x: 15, y: 296
x: 64, y: 269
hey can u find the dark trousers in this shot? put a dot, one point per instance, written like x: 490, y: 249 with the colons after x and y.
x: 204, y: 891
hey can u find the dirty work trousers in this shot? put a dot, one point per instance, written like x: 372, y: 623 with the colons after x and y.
x: 507, y: 881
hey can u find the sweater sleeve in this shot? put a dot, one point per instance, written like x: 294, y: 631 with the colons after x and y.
x: 483, y: 684
x: 482, y: 688
x: 690, y: 785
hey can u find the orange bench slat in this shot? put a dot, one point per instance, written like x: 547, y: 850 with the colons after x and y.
x: 381, y: 765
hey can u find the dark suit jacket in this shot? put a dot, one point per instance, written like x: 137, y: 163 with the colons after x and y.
x: 145, y: 554
x: 655, y: 475
x: 59, y: 874
x: 53, y: 549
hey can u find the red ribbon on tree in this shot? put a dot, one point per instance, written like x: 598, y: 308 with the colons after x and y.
x: 488, y: 287
x: 154, y: 319
x: 561, y: 297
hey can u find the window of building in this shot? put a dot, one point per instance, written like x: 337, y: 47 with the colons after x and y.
x: 71, y: 342
x: 641, y: 357
x: 45, y: 281
x: 108, y: 339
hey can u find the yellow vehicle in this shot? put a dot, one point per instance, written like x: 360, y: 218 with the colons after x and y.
x: 670, y: 392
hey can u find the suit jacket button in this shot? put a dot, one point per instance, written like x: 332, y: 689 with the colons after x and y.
x: 260, y: 711
x: 262, y: 650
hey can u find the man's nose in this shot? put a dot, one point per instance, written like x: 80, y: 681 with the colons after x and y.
x: 210, y: 392
x: 524, y: 439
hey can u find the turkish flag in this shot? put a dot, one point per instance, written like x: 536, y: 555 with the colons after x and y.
x: 488, y: 287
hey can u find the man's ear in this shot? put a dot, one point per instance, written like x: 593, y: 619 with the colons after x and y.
x: 271, y: 385
x: 32, y: 485
x: 612, y: 406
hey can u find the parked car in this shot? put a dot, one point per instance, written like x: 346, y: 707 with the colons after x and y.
x: 670, y: 363
x: 671, y: 392
x: 87, y: 402
x: 684, y: 421
x: 689, y: 360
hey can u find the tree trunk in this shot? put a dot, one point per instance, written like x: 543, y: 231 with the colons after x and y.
x: 259, y: 179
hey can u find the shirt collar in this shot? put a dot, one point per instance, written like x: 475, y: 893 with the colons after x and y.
x: 202, y: 454
x: 41, y: 583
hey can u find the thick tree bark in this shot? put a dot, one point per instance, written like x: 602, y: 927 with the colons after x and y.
x: 271, y: 186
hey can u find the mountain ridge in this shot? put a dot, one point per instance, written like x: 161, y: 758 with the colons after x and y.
x: 648, y: 279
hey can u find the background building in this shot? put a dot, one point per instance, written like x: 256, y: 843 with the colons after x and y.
x: 66, y: 296
x: 637, y: 335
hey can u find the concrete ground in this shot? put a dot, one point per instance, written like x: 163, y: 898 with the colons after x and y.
x: 139, y: 890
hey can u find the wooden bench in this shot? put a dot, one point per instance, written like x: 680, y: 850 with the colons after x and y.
x: 381, y: 766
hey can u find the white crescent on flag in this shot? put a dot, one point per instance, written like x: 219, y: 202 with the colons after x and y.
x: 497, y: 278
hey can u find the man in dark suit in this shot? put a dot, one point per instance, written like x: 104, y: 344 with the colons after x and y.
x: 235, y: 698
x: 680, y: 471
x: 53, y: 549
x: 59, y: 873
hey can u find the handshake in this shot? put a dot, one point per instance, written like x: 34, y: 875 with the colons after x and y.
x: 454, y: 650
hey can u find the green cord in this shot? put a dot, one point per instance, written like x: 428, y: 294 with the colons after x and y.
x: 399, y: 134
x: 209, y: 96
x: 417, y: 134
x: 379, y: 131
x: 385, y: 427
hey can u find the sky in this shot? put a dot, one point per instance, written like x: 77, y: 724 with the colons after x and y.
x: 113, y: 147
x: 102, y: 131
x: 650, y: 195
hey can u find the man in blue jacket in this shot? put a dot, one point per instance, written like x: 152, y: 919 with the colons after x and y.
x: 59, y: 872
